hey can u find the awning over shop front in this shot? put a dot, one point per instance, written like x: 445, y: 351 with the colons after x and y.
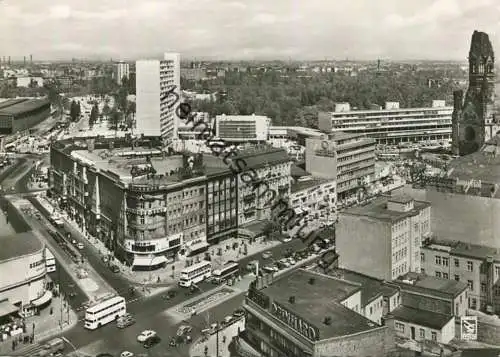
x: 45, y: 298
x: 148, y: 260
x: 6, y: 308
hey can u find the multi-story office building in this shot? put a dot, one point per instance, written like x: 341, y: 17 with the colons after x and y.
x: 347, y: 158
x: 271, y: 170
x: 242, y: 128
x: 393, y: 124
x: 314, y: 198
x: 146, y: 207
x: 476, y: 265
x: 157, y: 96
x: 383, y: 238
x: 121, y: 70
x: 222, y: 204
x: 310, y: 314
x: 23, y: 287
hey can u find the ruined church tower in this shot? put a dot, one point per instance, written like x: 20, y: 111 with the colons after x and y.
x: 472, y: 113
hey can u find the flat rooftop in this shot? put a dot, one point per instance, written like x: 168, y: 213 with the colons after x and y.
x: 421, y: 317
x: 462, y: 249
x: 18, y: 245
x: 303, y: 185
x: 316, y: 301
x: 377, y: 209
x: 371, y: 288
x: 482, y: 165
x: 23, y: 106
x: 422, y: 281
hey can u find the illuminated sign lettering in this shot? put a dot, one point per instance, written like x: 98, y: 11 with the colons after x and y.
x: 295, y: 322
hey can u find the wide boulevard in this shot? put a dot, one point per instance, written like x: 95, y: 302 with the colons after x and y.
x: 148, y: 311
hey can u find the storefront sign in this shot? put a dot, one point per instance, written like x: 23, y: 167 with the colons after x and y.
x: 470, y: 183
x: 295, y: 322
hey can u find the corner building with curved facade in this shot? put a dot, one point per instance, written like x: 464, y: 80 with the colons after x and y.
x: 23, y: 283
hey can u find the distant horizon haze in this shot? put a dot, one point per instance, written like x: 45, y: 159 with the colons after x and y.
x: 233, y: 30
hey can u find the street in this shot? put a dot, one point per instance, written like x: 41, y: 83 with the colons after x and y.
x: 148, y: 311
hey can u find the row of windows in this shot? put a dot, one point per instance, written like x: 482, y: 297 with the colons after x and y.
x: 400, y: 254
x: 400, y: 270
x: 401, y: 328
x: 445, y: 261
x: 36, y: 264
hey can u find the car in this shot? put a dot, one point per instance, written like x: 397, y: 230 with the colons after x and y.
x: 145, y: 335
x: 152, y: 341
x: 126, y: 354
x: 114, y: 268
x: 80, y: 246
x: 228, y: 319
x: 271, y: 269
x: 74, y: 242
x: 172, y: 342
x: 292, y: 261
x: 239, y: 313
x: 183, y: 330
x: 267, y: 255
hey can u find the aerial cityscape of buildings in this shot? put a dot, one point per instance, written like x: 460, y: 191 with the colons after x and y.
x: 143, y: 194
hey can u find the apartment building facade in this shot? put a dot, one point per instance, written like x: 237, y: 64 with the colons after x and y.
x: 314, y: 198
x: 476, y: 265
x: 121, y: 70
x: 391, y: 125
x: 268, y: 181
x: 383, y: 238
x: 347, y: 158
x: 158, y: 96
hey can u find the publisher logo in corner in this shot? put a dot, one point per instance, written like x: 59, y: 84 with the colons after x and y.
x: 468, y: 328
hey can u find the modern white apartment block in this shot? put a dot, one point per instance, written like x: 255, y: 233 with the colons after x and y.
x: 122, y: 69
x: 393, y: 124
x: 242, y: 128
x: 158, y: 96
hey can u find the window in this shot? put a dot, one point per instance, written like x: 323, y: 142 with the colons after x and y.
x: 400, y: 327
x: 470, y: 266
x: 433, y: 335
x: 446, y: 262
x: 483, y: 287
x: 470, y: 284
x: 438, y: 260
x: 422, y: 270
x: 457, y: 263
x: 422, y: 257
x: 446, y: 276
x: 438, y: 274
x: 457, y: 277
x: 422, y: 333
x: 497, y: 270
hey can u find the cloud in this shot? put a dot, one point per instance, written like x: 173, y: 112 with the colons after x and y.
x: 236, y: 28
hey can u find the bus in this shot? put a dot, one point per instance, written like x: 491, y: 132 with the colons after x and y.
x: 195, y: 273
x: 104, y: 312
x: 228, y: 271
x: 50, y: 261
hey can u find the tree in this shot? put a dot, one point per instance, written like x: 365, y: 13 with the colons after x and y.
x: 94, y: 114
x: 115, y: 118
x: 74, y: 111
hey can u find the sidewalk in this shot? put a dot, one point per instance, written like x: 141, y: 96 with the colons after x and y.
x: 93, y: 286
x: 226, y: 334
x: 46, y: 325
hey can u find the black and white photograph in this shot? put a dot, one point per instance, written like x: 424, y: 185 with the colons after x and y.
x: 249, y: 178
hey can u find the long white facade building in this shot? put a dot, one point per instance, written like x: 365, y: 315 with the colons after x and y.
x: 393, y: 124
x: 242, y: 128
x: 158, y: 95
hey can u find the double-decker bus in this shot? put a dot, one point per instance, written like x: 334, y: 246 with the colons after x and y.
x: 228, y: 271
x: 50, y: 261
x: 195, y: 273
x: 105, y: 312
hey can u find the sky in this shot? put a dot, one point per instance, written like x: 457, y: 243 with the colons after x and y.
x: 246, y: 29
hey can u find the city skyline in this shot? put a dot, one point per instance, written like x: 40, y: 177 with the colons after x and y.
x: 231, y: 30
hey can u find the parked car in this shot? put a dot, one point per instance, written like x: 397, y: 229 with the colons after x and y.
x: 184, y: 330
x: 145, y: 335
x: 114, y: 268
x: 228, y: 319
x: 80, y: 246
x: 239, y: 313
x: 152, y: 341
x: 267, y: 255
x: 126, y: 354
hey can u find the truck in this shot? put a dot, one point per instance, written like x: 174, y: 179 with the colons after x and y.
x: 51, y: 348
